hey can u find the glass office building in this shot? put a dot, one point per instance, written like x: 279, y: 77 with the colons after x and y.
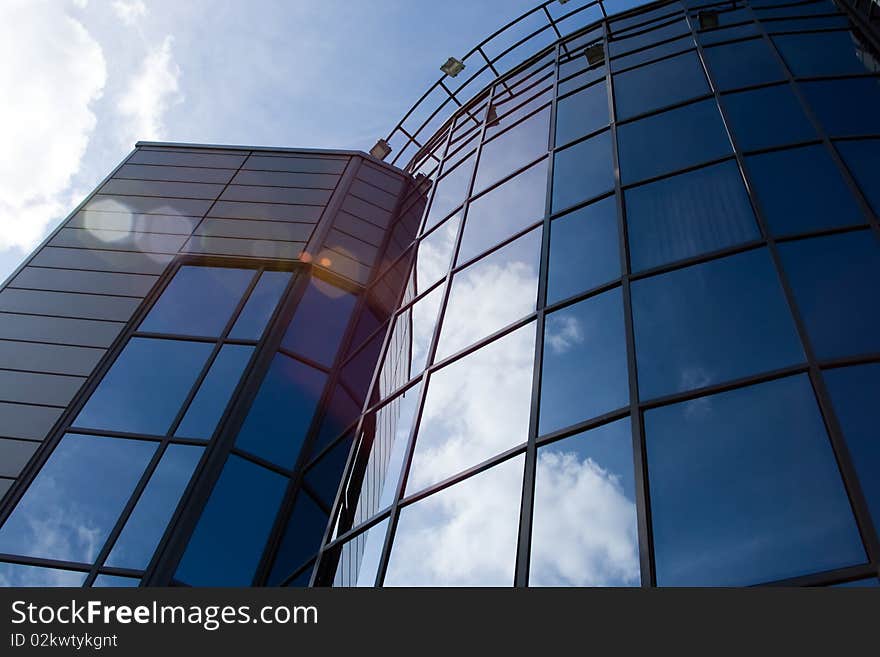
x: 606, y: 317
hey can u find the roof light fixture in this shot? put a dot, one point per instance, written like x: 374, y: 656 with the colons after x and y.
x: 452, y: 67
x: 380, y: 150
x: 708, y: 19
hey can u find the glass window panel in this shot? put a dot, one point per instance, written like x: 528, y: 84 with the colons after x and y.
x: 795, y: 9
x: 643, y: 39
x: 834, y: 280
x: 657, y: 85
x: 210, y: 401
x: 742, y: 64
x: 513, y: 149
x: 115, y: 581
x: 144, y: 528
x: 717, y: 36
x: 70, y: 508
x: 652, y: 54
x: 436, y: 540
x: 198, y: 301
x: 745, y: 489
x: 358, y: 372
x: 854, y: 393
x: 434, y: 254
x: 421, y: 319
x: 323, y: 477
x: 14, y: 574
x: 341, y: 412
x: 503, y: 211
x: 582, y: 171
x: 581, y: 113
x: 584, y: 250
x: 301, y: 540
x: 320, y: 321
x: 671, y: 140
x: 579, y: 80
x: 145, y: 387
x: 860, y: 582
x: 826, y: 53
x: 846, y: 107
x: 260, y: 305
x: 228, y: 541
x: 510, y: 109
x: 767, y: 117
x: 863, y: 160
x: 503, y: 285
x: 713, y: 322
x: 359, y: 558
x: 688, y: 215
x: 584, y: 531
x: 475, y: 408
x: 801, y: 190
x: 807, y: 23
x: 584, y: 373
x: 282, y: 411
x: 451, y: 191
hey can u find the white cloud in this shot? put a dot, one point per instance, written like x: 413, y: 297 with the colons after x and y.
x: 46, y: 122
x: 129, y: 11
x: 150, y: 93
x: 563, y: 332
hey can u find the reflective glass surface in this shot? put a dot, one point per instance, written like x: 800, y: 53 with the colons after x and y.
x: 834, y: 283
x: 582, y: 171
x: 503, y: 285
x: 301, y: 540
x: 823, y: 199
x: 581, y: 113
x: 727, y: 478
x: 260, y: 305
x: 509, y: 151
x: 688, y: 215
x: 359, y: 558
x: 475, y: 408
x: 14, y: 574
x: 145, y: 387
x: 863, y: 160
x: 324, y: 474
x: 767, y: 117
x: 825, y: 53
x: 115, y: 581
x: 198, y: 301
x: 451, y: 191
x: 650, y: 87
x: 228, y: 540
x: 141, y: 533
x: 846, y: 107
x: 436, y: 540
x: 742, y: 64
x: 320, y: 321
x: 713, y: 322
x: 421, y: 319
x: 584, y: 371
x: 434, y: 254
x: 584, y: 250
x: 584, y: 530
x: 70, y: 508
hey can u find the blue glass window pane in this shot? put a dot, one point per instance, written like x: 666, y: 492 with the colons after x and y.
x: 14, y: 574
x: 260, y: 305
x: 581, y: 113
x: 210, y: 401
x: 728, y: 33
x: 229, y: 539
x: 834, y: 280
x: 825, y: 53
x: 767, y: 117
x: 640, y: 39
x: 584, y: 250
x: 282, y: 411
x: 320, y: 321
x: 742, y: 64
x: 688, y: 215
x: 584, y: 372
x: 651, y: 54
x: 513, y: 149
x: 671, y: 140
x: 657, y: 85
x: 140, y: 536
x: 302, y: 538
x: 584, y: 531
x: 801, y: 190
x: 71, y: 506
x: 144, y: 389
x: 360, y: 557
x: 341, y: 412
x: 713, y: 322
x: 872, y: 582
x: 863, y: 160
x: 451, y: 191
x: 745, y: 489
x: 324, y: 476
x: 582, y: 171
x: 854, y: 393
x: 846, y: 107
x: 198, y: 301
x: 115, y: 581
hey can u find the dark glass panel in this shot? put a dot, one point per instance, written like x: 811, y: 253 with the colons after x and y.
x: 358, y: 372
x: 301, y: 540
x: 282, y: 411
x: 434, y: 542
x: 797, y: 9
x: 259, y: 307
x: 145, y: 387
x: 745, y: 489
x: 807, y: 23
x: 70, y: 508
x: 359, y: 558
x: 652, y: 54
x: 657, y: 85
x: 688, y: 215
x: 713, y: 322
x: 198, y: 301
x: 725, y: 34
x: 228, y: 540
x: 115, y: 581
x: 341, y: 412
x: 503, y: 211
x: 584, y: 372
x: 582, y: 171
x: 767, y: 117
x: 826, y: 53
x: 863, y: 160
x: 584, y: 531
x: 434, y: 254
x: 210, y: 401
x: 451, y: 191
x: 323, y: 477
x: 742, y: 64
x: 801, y: 190
x: 643, y: 39
x: 583, y: 250
x: 413, y: 332
x: 581, y: 113
x: 671, y: 140
x: 320, y: 321
x: 513, y: 149
x: 846, y: 107
x: 14, y: 574
x: 872, y: 582
x: 143, y: 529
x: 834, y: 282
x: 475, y: 408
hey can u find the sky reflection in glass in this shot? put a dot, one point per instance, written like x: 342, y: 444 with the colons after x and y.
x: 260, y: 305
x: 319, y: 322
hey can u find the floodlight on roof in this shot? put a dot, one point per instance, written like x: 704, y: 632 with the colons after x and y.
x: 708, y: 19
x: 492, y: 117
x: 595, y: 54
x: 452, y: 67
x: 380, y: 150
